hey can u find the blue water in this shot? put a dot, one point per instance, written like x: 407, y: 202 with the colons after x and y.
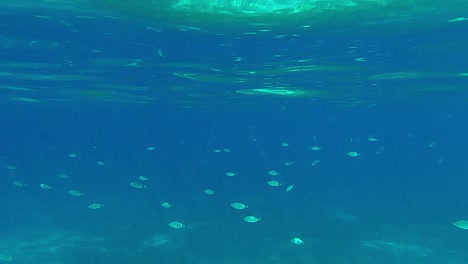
x: 91, y: 101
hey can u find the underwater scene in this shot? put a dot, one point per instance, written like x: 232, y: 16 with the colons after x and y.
x: 234, y: 131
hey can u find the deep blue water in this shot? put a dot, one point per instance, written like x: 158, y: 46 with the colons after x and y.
x: 91, y: 103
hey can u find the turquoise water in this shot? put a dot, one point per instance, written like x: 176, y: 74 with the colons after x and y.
x: 161, y: 112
